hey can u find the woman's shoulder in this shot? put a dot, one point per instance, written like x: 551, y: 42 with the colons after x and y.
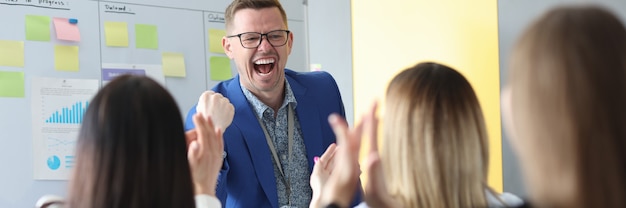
x: 50, y: 201
x: 504, y: 199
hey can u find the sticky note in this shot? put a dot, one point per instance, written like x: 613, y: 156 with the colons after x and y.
x: 11, y: 84
x: 65, y: 30
x: 146, y: 36
x: 11, y: 53
x: 220, y: 68
x: 66, y: 58
x: 116, y: 34
x: 37, y: 28
x: 173, y: 64
x: 215, y: 40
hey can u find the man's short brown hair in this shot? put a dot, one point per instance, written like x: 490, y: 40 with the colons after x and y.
x: 237, y: 5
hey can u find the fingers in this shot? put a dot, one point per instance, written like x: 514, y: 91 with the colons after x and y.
x: 371, y: 127
x: 193, y: 152
x: 373, y: 167
x: 339, y: 126
x: 218, y: 107
x: 190, y: 136
x: 202, y: 128
x: 328, y: 155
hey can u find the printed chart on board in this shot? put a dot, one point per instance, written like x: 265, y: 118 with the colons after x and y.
x: 58, y: 107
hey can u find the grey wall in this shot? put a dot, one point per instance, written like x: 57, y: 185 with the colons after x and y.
x: 330, y: 44
x: 17, y: 186
x: 513, y: 17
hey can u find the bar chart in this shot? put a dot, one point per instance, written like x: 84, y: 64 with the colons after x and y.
x: 69, y: 115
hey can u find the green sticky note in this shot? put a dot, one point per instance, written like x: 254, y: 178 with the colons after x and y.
x: 173, y: 64
x: 37, y: 28
x: 11, y: 53
x: 146, y: 36
x: 220, y: 68
x: 116, y: 34
x: 66, y: 58
x: 11, y: 84
x: 215, y: 40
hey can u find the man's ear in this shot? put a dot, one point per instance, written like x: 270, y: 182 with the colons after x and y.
x: 290, y: 42
x: 227, y: 47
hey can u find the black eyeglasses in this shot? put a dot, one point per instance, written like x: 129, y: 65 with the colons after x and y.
x: 276, y: 38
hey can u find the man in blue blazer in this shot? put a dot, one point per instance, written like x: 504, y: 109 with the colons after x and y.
x: 281, y: 116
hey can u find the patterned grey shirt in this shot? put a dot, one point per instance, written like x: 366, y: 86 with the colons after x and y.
x: 297, y: 171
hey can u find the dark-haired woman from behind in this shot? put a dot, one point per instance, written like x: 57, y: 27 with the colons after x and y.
x: 132, y: 150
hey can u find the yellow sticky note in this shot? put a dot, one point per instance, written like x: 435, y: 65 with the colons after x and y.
x: 116, y: 34
x: 66, y: 58
x: 173, y: 64
x: 37, y: 27
x: 220, y: 68
x: 11, y: 53
x: 215, y: 40
x: 11, y: 84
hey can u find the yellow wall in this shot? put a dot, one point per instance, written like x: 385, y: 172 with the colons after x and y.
x: 391, y: 35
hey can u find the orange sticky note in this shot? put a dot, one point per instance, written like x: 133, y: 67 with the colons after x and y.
x: 65, y: 30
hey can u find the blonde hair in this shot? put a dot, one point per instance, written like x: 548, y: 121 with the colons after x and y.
x: 568, y: 82
x: 435, y: 151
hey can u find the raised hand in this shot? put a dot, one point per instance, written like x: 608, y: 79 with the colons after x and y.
x: 343, y: 180
x: 321, y: 171
x: 376, y: 194
x: 218, y: 107
x: 206, y: 146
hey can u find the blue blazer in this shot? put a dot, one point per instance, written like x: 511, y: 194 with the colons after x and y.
x: 247, y: 177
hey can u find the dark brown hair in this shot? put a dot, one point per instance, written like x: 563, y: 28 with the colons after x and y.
x: 131, y: 149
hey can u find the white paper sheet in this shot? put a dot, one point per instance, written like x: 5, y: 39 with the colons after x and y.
x: 57, y: 107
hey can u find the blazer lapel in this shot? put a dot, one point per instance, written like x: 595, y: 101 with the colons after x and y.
x: 310, y: 121
x: 247, y: 122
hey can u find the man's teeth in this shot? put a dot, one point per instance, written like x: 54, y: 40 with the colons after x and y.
x: 264, y: 61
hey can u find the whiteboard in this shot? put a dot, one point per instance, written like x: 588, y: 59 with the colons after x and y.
x: 182, y: 28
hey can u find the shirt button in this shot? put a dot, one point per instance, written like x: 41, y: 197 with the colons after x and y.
x: 283, y: 157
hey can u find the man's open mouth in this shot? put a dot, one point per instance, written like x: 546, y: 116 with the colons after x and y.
x: 264, y: 66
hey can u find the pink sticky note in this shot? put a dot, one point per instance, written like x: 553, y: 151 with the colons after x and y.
x: 65, y: 30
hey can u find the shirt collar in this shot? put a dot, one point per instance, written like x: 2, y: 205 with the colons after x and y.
x: 260, y: 107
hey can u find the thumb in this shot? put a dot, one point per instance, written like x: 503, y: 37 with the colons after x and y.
x: 190, y: 136
x: 193, y: 151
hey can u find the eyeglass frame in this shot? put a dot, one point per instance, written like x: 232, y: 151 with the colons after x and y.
x: 261, y: 39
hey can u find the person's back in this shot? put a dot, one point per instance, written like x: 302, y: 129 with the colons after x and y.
x: 435, y: 151
x: 565, y: 108
x: 131, y: 150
